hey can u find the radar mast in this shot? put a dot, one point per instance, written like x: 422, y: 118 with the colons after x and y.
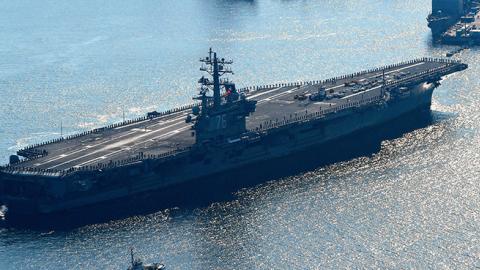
x: 216, y: 68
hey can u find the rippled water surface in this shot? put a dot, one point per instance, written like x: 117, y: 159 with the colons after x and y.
x: 414, y: 204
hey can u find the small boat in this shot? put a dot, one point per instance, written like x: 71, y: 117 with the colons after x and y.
x: 137, y: 264
x: 452, y: 53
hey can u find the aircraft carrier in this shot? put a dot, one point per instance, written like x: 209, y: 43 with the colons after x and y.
x: 220, y: 132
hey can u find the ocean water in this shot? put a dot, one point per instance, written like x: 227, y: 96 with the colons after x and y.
x: 414, y: 204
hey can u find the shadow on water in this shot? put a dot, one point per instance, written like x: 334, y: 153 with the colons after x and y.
x: 222, y: 187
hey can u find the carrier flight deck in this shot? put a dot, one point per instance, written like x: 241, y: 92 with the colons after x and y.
x: 160, y: 134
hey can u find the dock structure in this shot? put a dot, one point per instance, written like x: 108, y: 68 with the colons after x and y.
x: 279, y: 105
x: 455, y: 22
x: 454, y: 8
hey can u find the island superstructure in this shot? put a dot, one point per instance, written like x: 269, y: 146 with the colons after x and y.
x: 229, y: 129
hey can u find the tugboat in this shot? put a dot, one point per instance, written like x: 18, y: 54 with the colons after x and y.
x: 137, y: 264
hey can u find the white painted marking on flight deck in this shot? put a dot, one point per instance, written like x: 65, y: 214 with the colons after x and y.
x: 95, y: 159
x: 168, y: 134
x: 113, y: 139
x: 143, y: 121
x: 171, y: 133
x: 86, y: 147
x: 132, y: 124
x: 280, y: 95
x: 117, y: 144
x: 129, y: 140
x: 359, y: 93
x: 141, y: 129
x: 171, y: 120
x: 324, y: 103
x: 264, y: 93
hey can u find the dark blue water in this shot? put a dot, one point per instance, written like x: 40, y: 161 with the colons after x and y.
x: 414, y: 204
